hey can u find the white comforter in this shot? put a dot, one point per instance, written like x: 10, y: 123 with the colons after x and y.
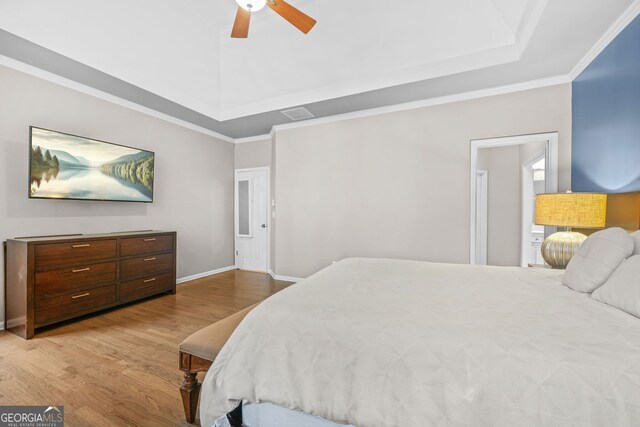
x: 374, y: 342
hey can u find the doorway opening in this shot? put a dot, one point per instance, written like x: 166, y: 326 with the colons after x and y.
x: 490, y: 240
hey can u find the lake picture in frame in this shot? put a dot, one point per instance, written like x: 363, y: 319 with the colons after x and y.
x: 65, y: 166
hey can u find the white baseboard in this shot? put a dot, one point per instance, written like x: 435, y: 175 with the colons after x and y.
x: 205, y: 274
x: 233, y: 267
x: 1, y: 326
x: 285, y: 278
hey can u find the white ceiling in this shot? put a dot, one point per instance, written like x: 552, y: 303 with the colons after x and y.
x: 366, y: 46
x: 181, y: 51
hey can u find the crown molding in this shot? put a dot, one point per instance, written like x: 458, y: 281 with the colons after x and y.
x: 616, y: 28
x: 62, y: 81
x: 466, y: 96
x: 252, y: 139
x: 87, y: 90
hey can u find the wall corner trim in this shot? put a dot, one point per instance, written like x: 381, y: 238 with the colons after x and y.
x: 616, y: 28
x: 205, y: 274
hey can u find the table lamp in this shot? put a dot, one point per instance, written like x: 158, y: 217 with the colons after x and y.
x: 570, y: 210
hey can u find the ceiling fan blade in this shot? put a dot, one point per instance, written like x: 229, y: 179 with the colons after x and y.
x: 297, y: 18
x: 241, y: 24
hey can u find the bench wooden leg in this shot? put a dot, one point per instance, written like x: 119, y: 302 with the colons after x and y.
x: 190, y: 390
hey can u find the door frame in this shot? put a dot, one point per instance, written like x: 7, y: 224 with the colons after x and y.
x: 483, y: 219
x: 235, y: 210
x: 551, y: 180
x: 526, y: 193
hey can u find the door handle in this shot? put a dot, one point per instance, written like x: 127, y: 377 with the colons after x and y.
x: 264, y: 226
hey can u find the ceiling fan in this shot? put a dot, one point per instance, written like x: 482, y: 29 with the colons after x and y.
x: 297, y: 18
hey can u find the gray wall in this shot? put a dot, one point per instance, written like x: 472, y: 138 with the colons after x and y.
x: 396, y: 185
x: 252, y: 154
x: 194, y: 174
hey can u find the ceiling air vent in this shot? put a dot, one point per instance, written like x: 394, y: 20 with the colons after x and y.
x: 299, y: 113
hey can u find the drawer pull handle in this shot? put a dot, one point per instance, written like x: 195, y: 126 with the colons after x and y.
x: 86, y: 294
x: 150, y: 259
x: 86, y: 245
x: 153, y: 239
x: 149, y: 280
x: 80, y: 270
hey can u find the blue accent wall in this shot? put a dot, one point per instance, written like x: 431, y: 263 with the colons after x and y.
x: 606, y: 118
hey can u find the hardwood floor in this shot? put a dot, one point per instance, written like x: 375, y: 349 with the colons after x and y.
x: 120, y: 368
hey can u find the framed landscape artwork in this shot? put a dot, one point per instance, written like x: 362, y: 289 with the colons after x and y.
x: 65, y: 166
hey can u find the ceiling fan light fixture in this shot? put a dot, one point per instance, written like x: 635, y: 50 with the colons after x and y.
x: 297, y: 18
x: 251, y: 5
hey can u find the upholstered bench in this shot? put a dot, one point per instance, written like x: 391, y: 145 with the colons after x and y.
x: 198, y: 352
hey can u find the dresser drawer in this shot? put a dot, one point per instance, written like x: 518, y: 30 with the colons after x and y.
x: 147, y: 266
x: 62, y: 307
x: 58, y: 254
x: 64, y: 280
x: 146, y: 245
x: 140, y: 288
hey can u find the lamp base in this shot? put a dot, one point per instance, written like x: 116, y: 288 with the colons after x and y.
x: 559, y: 248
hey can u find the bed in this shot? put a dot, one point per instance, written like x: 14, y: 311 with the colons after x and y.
x: 379, y: 342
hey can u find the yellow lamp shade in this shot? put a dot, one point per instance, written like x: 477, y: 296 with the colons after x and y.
x: 575, y: 210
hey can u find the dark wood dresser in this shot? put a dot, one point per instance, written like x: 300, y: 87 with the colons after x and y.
x: 54, y: 278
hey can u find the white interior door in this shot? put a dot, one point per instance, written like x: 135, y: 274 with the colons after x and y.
x: 251, y: 219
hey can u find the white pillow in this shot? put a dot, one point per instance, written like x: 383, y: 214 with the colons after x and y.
x: 636, y: 238
x: 597, y: 259
x: 622, y: 290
